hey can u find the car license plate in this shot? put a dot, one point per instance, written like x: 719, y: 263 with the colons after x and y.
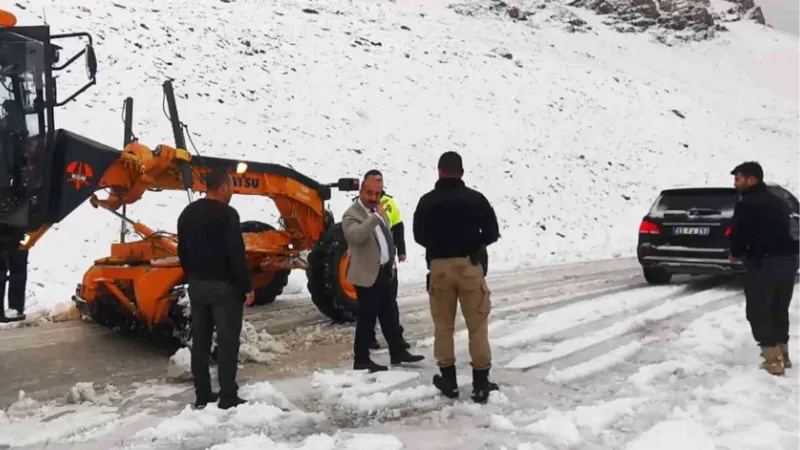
x: 691, y: 231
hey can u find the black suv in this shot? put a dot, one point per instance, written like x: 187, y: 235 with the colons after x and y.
x: 686, y: 232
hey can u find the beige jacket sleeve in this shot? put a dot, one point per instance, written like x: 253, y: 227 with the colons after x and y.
x: 355, y: 232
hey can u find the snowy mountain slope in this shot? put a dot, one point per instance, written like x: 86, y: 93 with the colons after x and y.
x: 570, y: 139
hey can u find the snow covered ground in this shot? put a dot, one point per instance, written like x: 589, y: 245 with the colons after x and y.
x: 570, y: 139
x: 652, y: 368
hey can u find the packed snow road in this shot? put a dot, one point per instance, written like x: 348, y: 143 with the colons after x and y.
x: 587, y: 356
x: 44, y: 361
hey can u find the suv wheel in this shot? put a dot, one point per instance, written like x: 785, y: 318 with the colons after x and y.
x: 655, y: 275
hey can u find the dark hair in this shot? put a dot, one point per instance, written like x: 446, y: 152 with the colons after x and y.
x: 450, y: 163
x: 373, y: 173
x: 216, y: 178
x: 749, y: 169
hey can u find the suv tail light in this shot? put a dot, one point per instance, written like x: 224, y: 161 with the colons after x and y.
x: 648, y: 227
x: 728, y: 231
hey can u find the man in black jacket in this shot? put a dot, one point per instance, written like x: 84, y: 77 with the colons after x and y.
x: 455, y: 224
x: 761, y: 239
x: 211, y: 251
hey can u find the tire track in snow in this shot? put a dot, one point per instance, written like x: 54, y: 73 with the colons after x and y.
x: 543, y: 299
x: 615, y: 351
x: 568, y: 316
x: 301, y: 311
x: 663, y: 311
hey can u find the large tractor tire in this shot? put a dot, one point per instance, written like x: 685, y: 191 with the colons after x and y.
x: 269, y: 292
x: 327, y: 273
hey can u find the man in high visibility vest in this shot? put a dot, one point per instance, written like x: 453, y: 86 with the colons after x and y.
x: 398, y: 235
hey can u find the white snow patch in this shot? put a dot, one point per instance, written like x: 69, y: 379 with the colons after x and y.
x: 673, y: 434
x: 179, y: 366
x: 558, y: 426
x: 28, y: 422
x: 339, y: 441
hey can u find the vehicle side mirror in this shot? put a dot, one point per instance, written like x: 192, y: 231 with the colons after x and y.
x: 348, y: 184
x: 90, y: 59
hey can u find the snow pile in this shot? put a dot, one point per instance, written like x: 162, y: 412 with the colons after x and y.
x: 28, y: 422
x: 268, y: 414
x: 569, y: 428
x: 179, y: 366
x: 353, y: 396
x: 259, y: 346
x: 254, y: 346
x: 60, y: 312
x: 721, y: 398
x: 84, y: 392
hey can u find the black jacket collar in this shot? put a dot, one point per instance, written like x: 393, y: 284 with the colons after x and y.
x: 449, y: 183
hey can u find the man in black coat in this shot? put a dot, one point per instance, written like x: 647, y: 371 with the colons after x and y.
x: 761, y: 240
x: 212, y: 255
x: 455, y: 224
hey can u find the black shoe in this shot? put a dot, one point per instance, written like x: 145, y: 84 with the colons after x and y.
x: 446, y: 382
x: 481, y: 386
x: 370, y: 365
x: 405, y: 357
x: 227, y: 403
x: 201, y: 401
x: 374, y: 345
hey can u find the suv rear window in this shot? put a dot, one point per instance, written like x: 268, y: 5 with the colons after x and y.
x: 711, y: 202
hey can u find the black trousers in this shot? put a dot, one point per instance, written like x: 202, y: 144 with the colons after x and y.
x: 14, y: 270
x: 215, y: 304
x: 769, y: 284
x: 375, y: 304
x: 395, y: 308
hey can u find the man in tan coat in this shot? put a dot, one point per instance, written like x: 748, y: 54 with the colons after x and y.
x: 371, y: 270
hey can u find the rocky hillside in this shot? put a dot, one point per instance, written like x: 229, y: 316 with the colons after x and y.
x: 668, y: 20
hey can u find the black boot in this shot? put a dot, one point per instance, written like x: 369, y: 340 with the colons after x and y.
x: 368, y: 364
x: 481, y: 386
x: 227, y: 402
x: 403, y: 356
x: 446, y: 382
x: 202, y: 400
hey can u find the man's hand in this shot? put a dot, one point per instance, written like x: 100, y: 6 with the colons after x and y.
x: 401, y: 258
x: 734, y: 260
x: 380, y: 209
x: 250, y: 298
